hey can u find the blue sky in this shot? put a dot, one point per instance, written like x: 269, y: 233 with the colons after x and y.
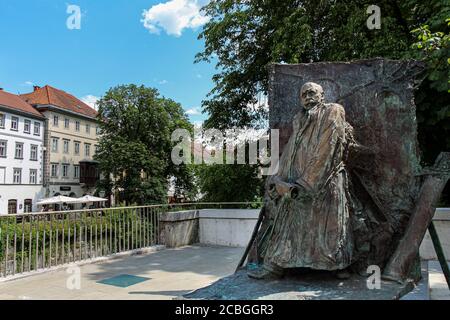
x: 112, y: 47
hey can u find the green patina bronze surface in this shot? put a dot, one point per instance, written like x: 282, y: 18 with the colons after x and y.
x: 376, y: 189
x: 349, y: 192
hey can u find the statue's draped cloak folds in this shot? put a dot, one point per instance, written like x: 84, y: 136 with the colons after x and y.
x: 312, y: 232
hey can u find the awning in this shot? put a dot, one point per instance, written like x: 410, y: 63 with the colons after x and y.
x: 57, y: 200
x: 89, y: 198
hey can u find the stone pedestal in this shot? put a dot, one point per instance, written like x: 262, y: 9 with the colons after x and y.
x: 313, y: 286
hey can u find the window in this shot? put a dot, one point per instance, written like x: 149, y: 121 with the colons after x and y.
x: 54, y: 168
x: 66, y: 123
x: 88, y: 128
x: 19, y: 150
x: 55, y: 144
x: 66, y: 146
x: 65, y: 170
x: 37, y: 128
x: 12, y: 206
x: 27, y: 205
x: 34, y: 152
x: 14, y: 123
x: 26, y: 126
x: 17, y: 176
x: 2, y: 120
x: 77, y: 125
x: 55, y: 121
x: 2, y: 175
x: 3, y: 145
x: 77, y: 147
x: 97, y: 130
x: 96, y: 148
x: 76, y: 172
x: 87, y: 149
x: 33, y: 176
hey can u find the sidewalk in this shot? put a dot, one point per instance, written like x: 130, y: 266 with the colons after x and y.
x: 167, y: 274
x: 438, y: 286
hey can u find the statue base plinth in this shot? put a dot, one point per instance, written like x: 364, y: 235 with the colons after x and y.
x: 310, y: 286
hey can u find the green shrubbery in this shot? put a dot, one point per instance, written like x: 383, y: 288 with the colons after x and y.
x: 56, y: 240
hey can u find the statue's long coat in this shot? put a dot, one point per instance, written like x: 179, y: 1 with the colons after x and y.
x: 312, y: 233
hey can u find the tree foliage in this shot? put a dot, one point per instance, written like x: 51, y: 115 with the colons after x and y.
x: 229, y: 183
x: 135, y: 144
x: 244, y: 36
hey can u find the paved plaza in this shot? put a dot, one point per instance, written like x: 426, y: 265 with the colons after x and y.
x: 170, y: 273
x: 158, y: 275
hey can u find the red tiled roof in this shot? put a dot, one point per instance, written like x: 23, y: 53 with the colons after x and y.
x: 15, y: 102
x: 48, y: 95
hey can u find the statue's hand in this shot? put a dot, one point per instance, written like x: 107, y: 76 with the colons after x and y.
x: 272, y: 191
x: 300, y: 192
x: 278, y: 188
x: 359, y: 148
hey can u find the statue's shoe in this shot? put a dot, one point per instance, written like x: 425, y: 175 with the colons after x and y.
x: 264, y: 273
x: 342, y: 274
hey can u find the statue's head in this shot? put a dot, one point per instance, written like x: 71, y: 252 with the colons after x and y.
x: 311, y: 95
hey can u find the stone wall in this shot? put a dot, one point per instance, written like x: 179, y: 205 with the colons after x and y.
x: 227, y: 227
x: 442, y: 223
x: 233, y: 228
x: 222, y: 227
x: 179, y: 228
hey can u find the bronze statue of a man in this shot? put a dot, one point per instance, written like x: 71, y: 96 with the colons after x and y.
x: 307, y: 222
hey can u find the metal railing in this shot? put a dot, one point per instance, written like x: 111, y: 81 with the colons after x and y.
x: 42, y: 240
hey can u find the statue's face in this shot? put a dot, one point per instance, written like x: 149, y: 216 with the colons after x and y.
x: 311, y: 95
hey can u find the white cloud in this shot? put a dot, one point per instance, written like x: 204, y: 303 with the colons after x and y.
x: 28, y: 83
x: 174, y: 16
x: 163, y: 82
x: 193, y: 112
x: 91, y: 101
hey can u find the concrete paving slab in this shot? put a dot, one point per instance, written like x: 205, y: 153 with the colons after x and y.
x: 172, y: 272
x: 438, y: 286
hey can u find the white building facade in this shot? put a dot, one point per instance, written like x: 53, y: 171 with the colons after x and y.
x: 21, y: 155
x: 71, y: 138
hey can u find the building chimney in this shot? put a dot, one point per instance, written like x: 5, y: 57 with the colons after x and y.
x: 36, y: 88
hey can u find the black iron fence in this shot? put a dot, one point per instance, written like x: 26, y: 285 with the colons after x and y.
x: 37, y: 241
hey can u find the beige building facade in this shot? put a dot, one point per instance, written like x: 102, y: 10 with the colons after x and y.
x: 71, y: 135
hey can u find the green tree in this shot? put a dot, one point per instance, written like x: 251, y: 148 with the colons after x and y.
x: 433, y: 99
x: 244, y: 36
x: 229, y: 183
x: 135, y: 144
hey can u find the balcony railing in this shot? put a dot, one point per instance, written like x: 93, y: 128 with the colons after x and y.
x: 43, y: 240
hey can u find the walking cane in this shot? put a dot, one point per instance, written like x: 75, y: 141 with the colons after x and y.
x: 252, y: 239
